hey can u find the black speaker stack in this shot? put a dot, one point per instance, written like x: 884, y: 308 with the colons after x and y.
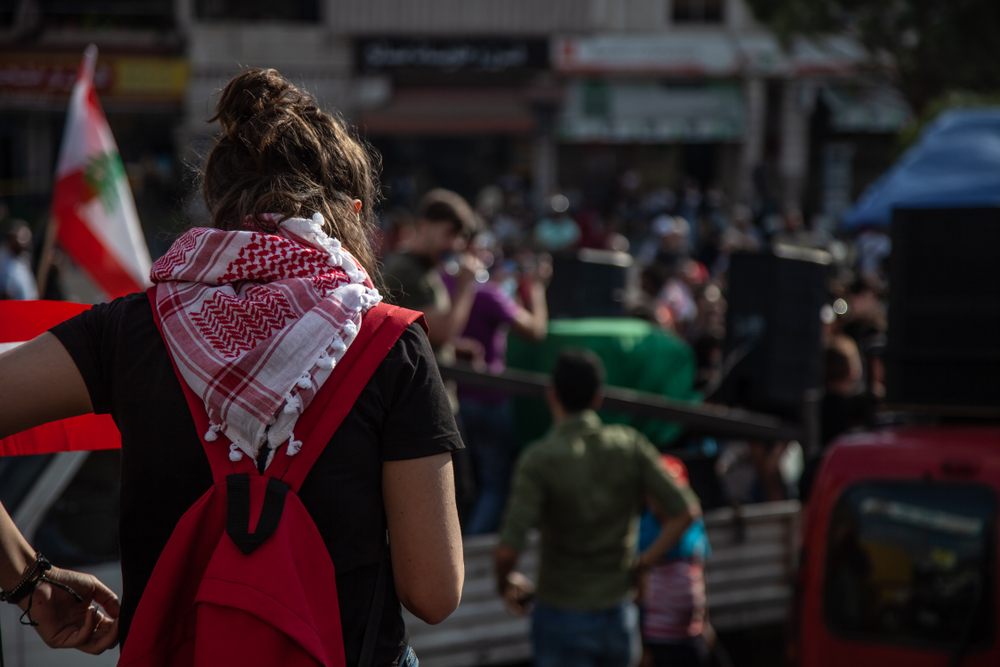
x: 943, y: 346
x: 773, y: 330
x: 589, y: 283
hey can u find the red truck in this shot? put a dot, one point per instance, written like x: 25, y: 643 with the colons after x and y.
x: 899, y: 556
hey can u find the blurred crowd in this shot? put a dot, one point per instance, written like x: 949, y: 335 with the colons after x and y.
x: 480, y: 270
x: 488, y: 262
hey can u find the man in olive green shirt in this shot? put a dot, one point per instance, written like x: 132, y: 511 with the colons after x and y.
x: 583, y: 486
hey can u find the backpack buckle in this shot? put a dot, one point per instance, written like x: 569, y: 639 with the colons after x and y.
x: 238, y: 511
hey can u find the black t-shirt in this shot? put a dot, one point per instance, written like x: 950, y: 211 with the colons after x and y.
x: 403, y: 413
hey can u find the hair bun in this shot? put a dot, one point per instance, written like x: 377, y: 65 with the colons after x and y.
x: 280, y: 155
x: 253, y: 95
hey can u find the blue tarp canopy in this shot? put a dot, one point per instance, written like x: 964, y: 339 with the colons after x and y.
x: 955, y: 163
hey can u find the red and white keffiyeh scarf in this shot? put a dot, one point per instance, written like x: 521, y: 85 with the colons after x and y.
x: 256, y: 322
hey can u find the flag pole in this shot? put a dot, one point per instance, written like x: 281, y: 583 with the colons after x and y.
x: 89, y: 62
x: 86, y: 71
x: 46, y: 256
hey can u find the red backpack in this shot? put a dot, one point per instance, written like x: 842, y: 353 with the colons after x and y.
x: 222, y: 593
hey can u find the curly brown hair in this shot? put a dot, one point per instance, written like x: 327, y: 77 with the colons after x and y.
x: 280, y: 153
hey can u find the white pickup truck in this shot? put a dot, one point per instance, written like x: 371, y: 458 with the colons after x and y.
x: 67, y: 504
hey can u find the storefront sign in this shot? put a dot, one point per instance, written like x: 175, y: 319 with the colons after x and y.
x: 680, y: 54
x: 116, y: 77
x: 449, y: 55
x: 643, y: 112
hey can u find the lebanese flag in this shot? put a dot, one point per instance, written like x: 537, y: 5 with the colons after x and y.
x: 21, y: 321
x: 92, y: 205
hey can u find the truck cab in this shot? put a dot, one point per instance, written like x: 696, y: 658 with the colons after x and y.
x: 899, y: 553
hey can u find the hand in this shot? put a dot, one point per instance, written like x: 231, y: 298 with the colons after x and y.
x: 518, y: 592
x: 65, y: 622
x: 540, y: 270
x: 469, y: 267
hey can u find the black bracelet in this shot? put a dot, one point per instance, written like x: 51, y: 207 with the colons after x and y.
x: 29, y: 580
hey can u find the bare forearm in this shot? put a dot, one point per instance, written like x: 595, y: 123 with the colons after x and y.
x: 461, y: 307
x: 15, y: 552
x: 532, y: 320
x: 539, y: 307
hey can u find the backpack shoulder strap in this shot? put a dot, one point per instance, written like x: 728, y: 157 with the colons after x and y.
x: 380, y: 329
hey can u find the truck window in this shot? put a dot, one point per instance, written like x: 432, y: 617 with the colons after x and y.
x: 912, y: 563
x: 81, y: 526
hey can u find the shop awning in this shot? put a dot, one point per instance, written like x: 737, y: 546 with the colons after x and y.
x: 827, y: 56
x: 762, y: 54
x: 643, y: 111
x: 450, y: 112
x: 873, y: 108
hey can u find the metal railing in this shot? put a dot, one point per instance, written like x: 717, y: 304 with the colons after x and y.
x: 703, y: 419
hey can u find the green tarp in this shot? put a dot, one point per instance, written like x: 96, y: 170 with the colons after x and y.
x: 636, y: 355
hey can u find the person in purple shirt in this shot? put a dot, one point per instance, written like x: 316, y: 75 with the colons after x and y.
x: 487, y: 416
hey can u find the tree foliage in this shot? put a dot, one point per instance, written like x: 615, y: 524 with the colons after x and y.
x: 936, y: 46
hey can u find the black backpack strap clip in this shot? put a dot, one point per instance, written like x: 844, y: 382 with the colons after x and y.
x: 238, y: 511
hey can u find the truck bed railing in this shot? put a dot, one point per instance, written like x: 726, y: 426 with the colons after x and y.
x: 749, y: 578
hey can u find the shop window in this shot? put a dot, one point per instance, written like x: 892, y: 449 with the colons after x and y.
x: 596, y: 102
x: 912, y: 563
x: 81, y: 526
x: 697, y: 11
x: 257, y: 10
x: 101, y: 14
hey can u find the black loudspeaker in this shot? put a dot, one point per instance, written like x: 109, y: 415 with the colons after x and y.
x: 589, y: 283
x: 943, y: 346
x: 773, y: 329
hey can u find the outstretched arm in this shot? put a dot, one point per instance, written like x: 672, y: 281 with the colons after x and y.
x: 41, y: 383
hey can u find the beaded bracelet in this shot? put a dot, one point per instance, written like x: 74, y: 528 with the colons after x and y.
x: 33, y: 576
x: 29, y: 580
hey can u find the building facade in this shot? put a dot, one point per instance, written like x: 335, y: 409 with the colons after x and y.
x: 556, y: 94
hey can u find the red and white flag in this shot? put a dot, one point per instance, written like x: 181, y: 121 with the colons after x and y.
x: 92, y: 204
x: 21, y: 321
